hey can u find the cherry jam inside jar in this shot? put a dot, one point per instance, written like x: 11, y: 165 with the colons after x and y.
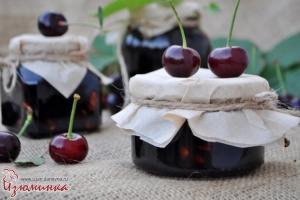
x: 189, y: 156
x: 51, y: 110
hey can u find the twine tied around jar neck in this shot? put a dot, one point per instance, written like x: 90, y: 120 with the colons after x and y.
x: 9, y: 65
x: 8, y: 69
x: 74, y: 57
x: 261, y: 101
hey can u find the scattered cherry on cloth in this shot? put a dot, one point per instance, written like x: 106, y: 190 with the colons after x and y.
x: 69, y: 148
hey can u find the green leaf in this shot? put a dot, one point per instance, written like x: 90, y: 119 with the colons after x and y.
x: 119, y: 5
x: 102, y: 54
x: 37, y: 161
x: 213, y: 7
x: 286, y: 53
x: 292, y: 81
x: 256, y: 61
x: 166, y: 2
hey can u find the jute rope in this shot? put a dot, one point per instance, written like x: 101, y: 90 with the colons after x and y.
x: 76, y: 58
x: 9, y: 65
x: 262, y: 101
x: 9, y: 74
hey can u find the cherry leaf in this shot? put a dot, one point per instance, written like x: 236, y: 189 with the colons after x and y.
x: 37, y: 161
x: 213, y: 7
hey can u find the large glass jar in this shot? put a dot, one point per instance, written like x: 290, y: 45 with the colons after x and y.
x: 189, y: 156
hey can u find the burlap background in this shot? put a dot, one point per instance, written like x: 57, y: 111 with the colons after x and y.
x: 266, y: 22
x: 108, y: 173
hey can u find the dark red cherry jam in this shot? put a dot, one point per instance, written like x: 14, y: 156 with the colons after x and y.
x: 51, y: 110
x: 189, y: 156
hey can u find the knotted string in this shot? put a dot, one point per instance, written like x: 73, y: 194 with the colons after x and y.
x: 261, y: 101
x: 9, y: 74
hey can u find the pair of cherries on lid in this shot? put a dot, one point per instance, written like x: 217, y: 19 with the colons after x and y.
x: 224, y: 62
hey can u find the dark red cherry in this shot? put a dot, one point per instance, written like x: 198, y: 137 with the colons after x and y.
x: 228, y: 62
x: 68, y: 151
x: 181, y: 62
x: 52, y: 24
x: 10, y: 147
x: 69, y: 147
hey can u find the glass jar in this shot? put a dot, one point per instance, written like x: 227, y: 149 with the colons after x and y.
x: 189, y: 156
x: 143, y: 55
x: 51, y: 110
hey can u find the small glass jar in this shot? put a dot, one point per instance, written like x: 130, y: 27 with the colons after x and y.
x: 48, y: 71
x: 51, y: 110
x: 189, y: 156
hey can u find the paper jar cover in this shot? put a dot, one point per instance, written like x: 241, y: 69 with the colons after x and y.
x: 61, y: 61
x: 240, y: 128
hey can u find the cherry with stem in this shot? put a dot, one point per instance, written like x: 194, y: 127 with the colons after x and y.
x: 53, y: 24
x: 10, y: 145
x: 69, y: 147
x: 230, y: 61
x: 180, y: 61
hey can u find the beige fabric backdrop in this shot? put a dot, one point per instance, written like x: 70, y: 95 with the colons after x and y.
x: 264, y: 21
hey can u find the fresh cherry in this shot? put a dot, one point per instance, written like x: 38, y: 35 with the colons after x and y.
x: 52, y: 24
x: 180, y: 61
x: 10, y: 146
x: 228, y: 61
x: 64, y: 150
x: 69, y: 147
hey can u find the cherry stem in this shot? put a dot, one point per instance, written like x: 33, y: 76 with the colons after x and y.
x: 26, y: 123
x: 70, y: 130
x: 232, y: 24
x: 184, y: 43
x: 280, y: 78
x: 62, y: 23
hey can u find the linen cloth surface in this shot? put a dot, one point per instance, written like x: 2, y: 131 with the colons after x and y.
x: 108, y: 173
